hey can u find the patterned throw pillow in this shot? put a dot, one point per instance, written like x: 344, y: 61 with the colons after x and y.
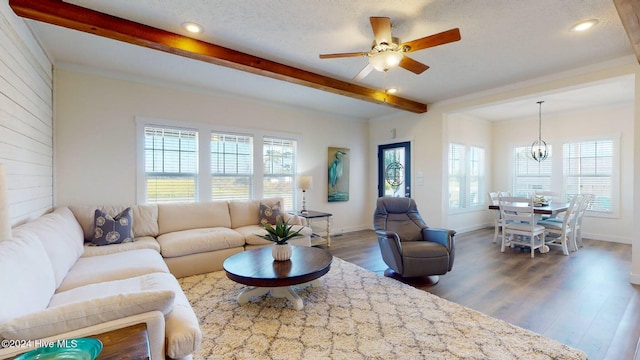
x: 112, y: 230
x: 269, y: 214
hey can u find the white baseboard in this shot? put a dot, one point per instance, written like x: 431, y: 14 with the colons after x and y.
x: 609, y: 238
x: 634, y: 278
x: 340, y: 231
x: 473, y: 228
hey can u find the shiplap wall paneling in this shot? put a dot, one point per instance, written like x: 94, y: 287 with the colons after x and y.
x: 26, y: 119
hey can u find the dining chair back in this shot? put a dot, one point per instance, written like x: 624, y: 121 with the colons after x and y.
x: 562, y: 233
x: 584, y: 205
x: 497, y: 219
x: 581, y: 207
x: 520, y: 226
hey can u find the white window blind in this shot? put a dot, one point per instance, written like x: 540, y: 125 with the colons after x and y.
x: 531, y: 175
x: 476, y: 176
x: 588, y: 169
x: 279, y: 169
x: 231, y: 167
x: 171, y: 164
x: 456, y: 175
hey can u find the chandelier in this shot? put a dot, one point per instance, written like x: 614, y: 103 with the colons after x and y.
x: 539, y: 150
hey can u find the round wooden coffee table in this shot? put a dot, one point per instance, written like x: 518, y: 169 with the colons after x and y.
x: 257, y: 268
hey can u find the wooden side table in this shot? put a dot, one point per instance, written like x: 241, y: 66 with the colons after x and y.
x: 128, y: 343
x: 310, y: 215
x: 131, y: 342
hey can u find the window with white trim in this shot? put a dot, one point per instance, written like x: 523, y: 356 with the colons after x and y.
x: 171, y: 164
x: 476, y: 176
x: 588, y: 169
x: 456, y: 175
x: 231, y: 167
x: 466, y: 176
x: 531, y: 175
x: 279, y: 160
x: 241, y: 164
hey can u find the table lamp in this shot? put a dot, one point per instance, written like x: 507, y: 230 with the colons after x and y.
x: 304, y: 183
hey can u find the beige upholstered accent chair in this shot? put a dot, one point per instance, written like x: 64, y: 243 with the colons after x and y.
x: 409, y: 247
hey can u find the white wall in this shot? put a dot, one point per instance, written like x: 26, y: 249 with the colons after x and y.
x: 26, y: 119
x: 425, y: 132
x: 462, y: 129
x: 95, y: 139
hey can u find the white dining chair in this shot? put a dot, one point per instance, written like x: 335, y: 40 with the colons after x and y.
x: 562, y: 233
x: 584, y: 205
x: 580, y: 209
x: 497, y: 219
x: 520, y: 224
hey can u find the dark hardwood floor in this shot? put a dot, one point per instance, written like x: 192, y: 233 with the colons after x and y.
x: 584, y: 300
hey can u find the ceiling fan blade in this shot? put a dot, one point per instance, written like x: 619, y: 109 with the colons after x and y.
x: 381, y: 29
x: 442, y: 38
x: 342, y: 55
x: 364, y: 72
x: 415, y: 67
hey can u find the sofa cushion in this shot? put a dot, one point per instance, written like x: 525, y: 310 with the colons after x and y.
x: 250, y: 233
x: 61, y: 237
x: 183, y: 216
x: 108, y: 230
x: 142, y: 242
x: 182, y: 328
x: 269, y: 214
x: 145, y: 218
x: 194, y: 241
x: 245, y: 212
x: 117, y: 266
x: 25, y: 275
x: 82, y: 313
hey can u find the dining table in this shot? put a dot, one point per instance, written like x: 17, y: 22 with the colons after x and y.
x: 552, y: 209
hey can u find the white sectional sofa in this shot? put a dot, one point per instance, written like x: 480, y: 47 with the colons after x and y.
x: 56, y: 285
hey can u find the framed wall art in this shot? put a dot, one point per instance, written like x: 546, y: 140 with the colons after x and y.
x: 338, y: 167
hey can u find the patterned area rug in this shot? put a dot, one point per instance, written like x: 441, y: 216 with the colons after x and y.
x: 354, y: 314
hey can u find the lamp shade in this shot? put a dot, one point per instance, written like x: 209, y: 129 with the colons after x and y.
x: 305, y: 182
x: 385, y: 60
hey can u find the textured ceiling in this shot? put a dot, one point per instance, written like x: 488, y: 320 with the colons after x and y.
x: 503, y: 42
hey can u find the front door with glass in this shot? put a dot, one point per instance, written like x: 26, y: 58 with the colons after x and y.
x: 394, y: 170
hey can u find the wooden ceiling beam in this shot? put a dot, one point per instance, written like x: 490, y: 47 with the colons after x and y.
x: 629, y: 12
x: 75, y: 17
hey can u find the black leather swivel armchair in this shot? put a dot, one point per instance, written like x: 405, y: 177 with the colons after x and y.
x: 409, y: 247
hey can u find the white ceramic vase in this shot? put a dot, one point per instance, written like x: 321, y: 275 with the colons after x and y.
x: 282, y: 252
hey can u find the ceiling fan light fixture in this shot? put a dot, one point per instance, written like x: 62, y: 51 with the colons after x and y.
x: 383, y: 61
x: 192, y: 27
x: 584, y: 25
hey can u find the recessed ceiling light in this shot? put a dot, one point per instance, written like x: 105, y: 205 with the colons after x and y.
x: 192, y: 27
x: 391, y: 90
x: 584, y: 25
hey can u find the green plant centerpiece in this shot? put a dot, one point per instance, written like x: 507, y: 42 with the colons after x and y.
x: 280, y: 236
